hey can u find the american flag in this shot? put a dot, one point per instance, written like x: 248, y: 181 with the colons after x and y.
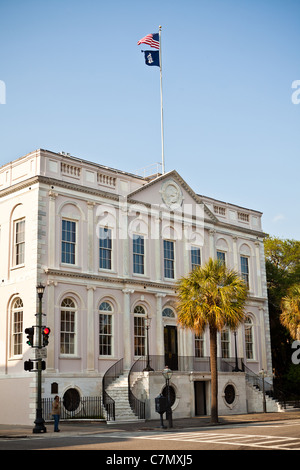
x: 151, y: 39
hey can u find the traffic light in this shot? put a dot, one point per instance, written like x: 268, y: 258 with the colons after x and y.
x: 28, y: 365
x: 46, y: 332
x: 30, y: 335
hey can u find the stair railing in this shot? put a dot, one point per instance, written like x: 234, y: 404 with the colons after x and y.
x: 137, y: 406
x: 110, y: 375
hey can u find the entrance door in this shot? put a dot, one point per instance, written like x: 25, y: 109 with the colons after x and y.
x: 171, y: 350
x: 200, y: 398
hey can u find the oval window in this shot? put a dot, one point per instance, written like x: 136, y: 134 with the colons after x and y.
x: 71, y: 399
x: 229, y: 394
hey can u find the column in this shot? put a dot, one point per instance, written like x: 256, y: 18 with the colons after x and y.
x: 90, y: 349
x: 212, y: 244
x: 127, y: 331
x: 124, y: 236
x: 156, y: 237
x: 258, y: 269
x: 90, y: 260
x: 160, y: 347
x: 235, y: 255
x: 54, y: 336
x: 51, y: 229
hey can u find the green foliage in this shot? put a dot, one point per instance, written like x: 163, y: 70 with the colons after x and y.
x: 283, y: 272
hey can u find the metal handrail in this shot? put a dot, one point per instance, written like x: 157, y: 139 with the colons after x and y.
x: 137, y: 406
x: 110, y: 375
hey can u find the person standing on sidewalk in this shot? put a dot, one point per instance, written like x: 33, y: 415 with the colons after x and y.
x: 56, y: 412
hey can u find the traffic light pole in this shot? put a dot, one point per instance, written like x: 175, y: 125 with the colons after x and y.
x: 39, y: 421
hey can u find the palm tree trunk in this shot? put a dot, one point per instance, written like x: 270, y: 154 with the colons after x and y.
x: 214, y: 375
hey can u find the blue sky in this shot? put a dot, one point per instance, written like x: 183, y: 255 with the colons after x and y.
x: 75, y: 81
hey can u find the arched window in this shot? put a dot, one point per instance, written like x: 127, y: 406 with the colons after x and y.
x: 249, y: 346
x: 139, y: 331
x: 17, y: 327
x: 168, y: 312
x: 67, y: 326
x: 105, y: 329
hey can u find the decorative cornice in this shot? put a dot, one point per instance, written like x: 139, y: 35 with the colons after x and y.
x: 212, y: 219
x: 117, y: 280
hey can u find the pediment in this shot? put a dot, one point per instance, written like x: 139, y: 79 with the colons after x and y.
x: 169, y: 192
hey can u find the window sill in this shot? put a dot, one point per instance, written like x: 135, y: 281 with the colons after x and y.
x: 17, y: 266
x: 69, y: 356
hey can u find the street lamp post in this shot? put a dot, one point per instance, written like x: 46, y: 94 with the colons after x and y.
x: 148, y: 368
x: 167, y: 373
x: 236, y: 369
x: 39, y: 421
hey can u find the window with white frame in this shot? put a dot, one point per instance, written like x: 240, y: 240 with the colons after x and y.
x: 139, y: 331
x: 169, y: 259
x: 105, y: 329
x: 67, y: 326
x: 225, y: 343
x: 138, y: 248
x: 105, y: 248
x: 221, y: 257
x: 19, y: 242
x: 68, y: 242
x: 199, y: 345
x: 168, y: 312
x: 249, y: 344
x: 245, y: 269
x: 17, y: 327
x: 195, y: 257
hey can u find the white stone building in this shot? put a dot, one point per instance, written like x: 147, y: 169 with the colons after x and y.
x: 109, y: 247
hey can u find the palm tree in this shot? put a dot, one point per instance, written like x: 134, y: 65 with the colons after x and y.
x: 212, y: 296
x: 290, y: 316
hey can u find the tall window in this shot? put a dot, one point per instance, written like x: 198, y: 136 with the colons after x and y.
x: 19, y: 245
x: 139, y: 331
x: 225, y: 343
x: 138, y: 254
x: 245, y: 269
x: 68, y: 244
x: 199, y: 345
x: 249, y: 338
x: 105, y: 248
x: 169, y: 259
x: 67, y: 326
x: 105, y: 329
x: 195, y: 257
x: 17, y: 327
x: 221, y: 257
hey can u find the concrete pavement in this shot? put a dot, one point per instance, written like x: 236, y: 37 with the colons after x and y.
x: 81, y: 427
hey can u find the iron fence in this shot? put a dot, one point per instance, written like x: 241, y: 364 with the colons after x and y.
x: 86, y: 408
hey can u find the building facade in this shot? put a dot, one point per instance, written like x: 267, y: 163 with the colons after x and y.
x: 109, y: 246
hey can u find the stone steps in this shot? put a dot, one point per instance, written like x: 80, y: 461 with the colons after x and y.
x: 118, y: 391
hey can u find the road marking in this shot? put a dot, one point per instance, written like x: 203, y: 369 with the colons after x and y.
x: 250, y: 440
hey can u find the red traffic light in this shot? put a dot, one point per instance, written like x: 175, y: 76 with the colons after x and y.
x: 46, y: 332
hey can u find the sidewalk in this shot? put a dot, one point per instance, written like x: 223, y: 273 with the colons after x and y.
x: 81, y: 427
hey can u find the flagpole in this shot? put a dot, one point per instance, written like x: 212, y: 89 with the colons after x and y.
x: 161, y: 106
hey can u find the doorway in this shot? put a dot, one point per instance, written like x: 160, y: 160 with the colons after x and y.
x: 171, y: 348
x: 200, y: 398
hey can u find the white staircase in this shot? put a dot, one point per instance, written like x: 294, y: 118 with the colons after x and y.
x: 118, y: 391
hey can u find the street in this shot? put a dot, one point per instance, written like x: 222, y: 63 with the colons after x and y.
x: 276, y: 435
